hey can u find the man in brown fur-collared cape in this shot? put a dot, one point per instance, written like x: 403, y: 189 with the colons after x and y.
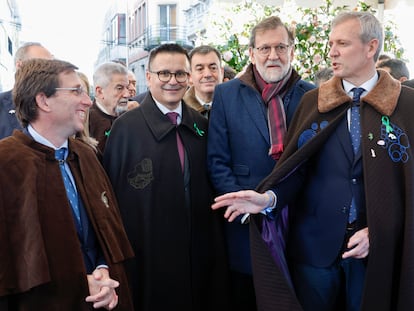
x: 318, y: 177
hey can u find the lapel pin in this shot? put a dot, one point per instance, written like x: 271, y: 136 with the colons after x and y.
x: 104, y: 199
x: 198, y: 131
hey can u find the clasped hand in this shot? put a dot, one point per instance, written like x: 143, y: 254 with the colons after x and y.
x: 102, y: 290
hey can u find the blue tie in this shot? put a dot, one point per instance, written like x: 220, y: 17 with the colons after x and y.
x: 70, y: 189
x: 355, y: 126
x: 355, y: 132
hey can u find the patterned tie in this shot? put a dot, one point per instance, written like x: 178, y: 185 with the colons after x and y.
x: 70, y: 189
x: 173, y: 118
x: 355, y: 126
x: 355, y: 132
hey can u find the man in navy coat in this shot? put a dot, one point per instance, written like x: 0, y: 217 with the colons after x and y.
x: 241, y: 148
x: 8, y: 119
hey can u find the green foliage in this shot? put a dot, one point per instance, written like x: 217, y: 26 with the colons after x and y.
x: 234, y: 34
x: 311, y: 25
x: 312, y: 35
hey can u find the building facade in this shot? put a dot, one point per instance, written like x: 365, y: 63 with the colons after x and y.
x: 10, y: 27
x: 133, y: 27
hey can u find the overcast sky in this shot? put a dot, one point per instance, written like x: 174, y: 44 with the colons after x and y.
x: 71, y: 30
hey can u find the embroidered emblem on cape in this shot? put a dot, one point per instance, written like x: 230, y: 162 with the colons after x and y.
x: 309, y: 133
x: 142, y: 175
x: 394, y: 140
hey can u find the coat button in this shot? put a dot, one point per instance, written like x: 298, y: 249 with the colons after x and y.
x: 354, y: 181
x: 344, y: 209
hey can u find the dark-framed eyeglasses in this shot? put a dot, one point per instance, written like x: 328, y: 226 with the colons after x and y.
x: 76, y: 90
x: 165, y: 76
x: 281, y: 49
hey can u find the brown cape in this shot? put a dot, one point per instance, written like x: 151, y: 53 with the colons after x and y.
x: 388, y: 190
x: 41, y: 263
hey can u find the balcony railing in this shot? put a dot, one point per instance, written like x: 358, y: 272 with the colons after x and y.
x: 169, y: 33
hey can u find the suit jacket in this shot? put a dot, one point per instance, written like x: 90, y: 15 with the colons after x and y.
x: 41, y: 261
x: 320, y: 202
x: 238, y: 147
x: 173, y: 231
x: 8, y: 119
x: 387, y: 160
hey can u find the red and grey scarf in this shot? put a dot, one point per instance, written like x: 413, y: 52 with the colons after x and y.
x: 272, y: 94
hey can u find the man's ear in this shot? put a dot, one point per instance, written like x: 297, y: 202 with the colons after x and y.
x: 98, y: 92
x: 42, y: 101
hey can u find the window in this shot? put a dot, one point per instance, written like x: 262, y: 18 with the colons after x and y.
x: 168, y: 20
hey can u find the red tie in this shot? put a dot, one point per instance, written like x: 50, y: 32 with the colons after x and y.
x: 173, y: 118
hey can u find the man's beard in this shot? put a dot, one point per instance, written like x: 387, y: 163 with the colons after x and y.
x: 120, y: 109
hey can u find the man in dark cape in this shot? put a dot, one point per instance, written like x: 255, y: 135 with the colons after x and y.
x: 180, y: 259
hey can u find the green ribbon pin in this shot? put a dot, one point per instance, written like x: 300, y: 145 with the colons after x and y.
x: 386, y: 122
x: 198, y: 131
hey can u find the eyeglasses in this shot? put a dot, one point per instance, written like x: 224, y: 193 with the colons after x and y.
x: 165, y: 76
x: 77, y: 90
x: 281, y: 49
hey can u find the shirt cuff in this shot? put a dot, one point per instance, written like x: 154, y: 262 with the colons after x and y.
x: 271, y: 205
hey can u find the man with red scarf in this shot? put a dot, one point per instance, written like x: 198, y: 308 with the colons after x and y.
x: 248, y: 122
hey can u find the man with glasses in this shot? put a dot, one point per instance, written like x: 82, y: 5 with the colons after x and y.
x: 62, y: 242
x: 111, y: 100
x: 156, y: 160
x: 248, y: 122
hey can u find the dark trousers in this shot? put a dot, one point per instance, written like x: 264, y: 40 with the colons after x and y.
x: 242, y: 295
x: 334, y: 288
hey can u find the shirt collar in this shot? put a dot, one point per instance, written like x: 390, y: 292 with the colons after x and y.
x: 102, y: 108
x: 42, y: 140
x: 367, y: 85
x: 203, y: 103
x: 165, y: 110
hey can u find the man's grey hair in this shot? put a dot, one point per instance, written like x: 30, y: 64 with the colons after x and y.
x: 21, y: 53
x: 370, y: 27
x: 103, y: 74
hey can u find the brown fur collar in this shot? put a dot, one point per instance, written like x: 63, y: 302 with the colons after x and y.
x: 383, y: 97
x: 191, y: 100
x: 248, y: 77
